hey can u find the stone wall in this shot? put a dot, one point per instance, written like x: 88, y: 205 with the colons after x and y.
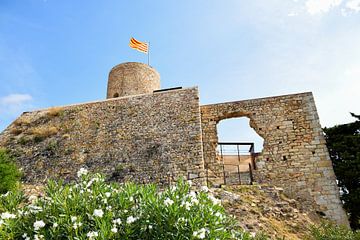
x: 145, y: 138
x: 294, y: 156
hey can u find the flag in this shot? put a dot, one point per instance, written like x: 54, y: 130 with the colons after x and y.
x: 140, y: 46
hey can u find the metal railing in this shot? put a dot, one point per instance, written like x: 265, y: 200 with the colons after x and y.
x: 239, y: 150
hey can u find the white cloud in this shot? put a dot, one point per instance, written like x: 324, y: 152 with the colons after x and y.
x: 353, y: 5
x: 12, y: 105
x: 292, y: 14
x: 15, y: 99
x: 321, y: 6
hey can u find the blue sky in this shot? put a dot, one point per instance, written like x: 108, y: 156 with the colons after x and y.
x: 60, y: 52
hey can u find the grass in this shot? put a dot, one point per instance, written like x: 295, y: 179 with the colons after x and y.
x: 42, y: 132
x: 55, y: 111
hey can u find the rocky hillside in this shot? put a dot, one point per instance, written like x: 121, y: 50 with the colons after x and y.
x: 266, y: 209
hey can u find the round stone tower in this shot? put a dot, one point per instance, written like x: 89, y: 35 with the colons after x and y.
x: 132, y: 78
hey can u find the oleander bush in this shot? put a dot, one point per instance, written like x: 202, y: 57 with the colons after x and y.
x: 91, y: 208
x: 9, y: 173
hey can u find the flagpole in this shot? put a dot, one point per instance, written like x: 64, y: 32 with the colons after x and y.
x: 149, y: 54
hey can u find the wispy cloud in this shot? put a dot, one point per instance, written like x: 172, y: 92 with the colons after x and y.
x: 13, y: 104
x: 15, y: 99
x: 321, y: 6
x: 316, y: 7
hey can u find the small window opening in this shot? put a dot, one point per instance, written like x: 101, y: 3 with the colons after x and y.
x: 116, y: 95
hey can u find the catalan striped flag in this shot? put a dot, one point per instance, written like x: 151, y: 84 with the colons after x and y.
x: 140, y: 46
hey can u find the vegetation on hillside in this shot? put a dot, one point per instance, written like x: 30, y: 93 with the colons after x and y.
x: 9, y: 173
x: 93, y: 209
x: 343, y: 142
x: 329, y: 231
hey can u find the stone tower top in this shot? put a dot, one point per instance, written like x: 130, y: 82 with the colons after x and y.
x: 132, y: 78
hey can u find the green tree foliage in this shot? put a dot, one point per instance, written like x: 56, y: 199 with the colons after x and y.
x: 343, y: 142
x: 9, y: 173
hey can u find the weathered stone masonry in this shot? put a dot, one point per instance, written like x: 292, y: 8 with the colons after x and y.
x: 146, y: 138
x: 142, y: 136
x: 294, y: 156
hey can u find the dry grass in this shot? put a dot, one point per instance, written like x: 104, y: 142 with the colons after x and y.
x: 66, y: 136
x: 15, y: 131
x: 54, y: 111
x: 22, y: 122
x: 44, y: 131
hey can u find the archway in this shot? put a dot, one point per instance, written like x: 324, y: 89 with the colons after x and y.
x: 238, y: 130
x: 237, y: 148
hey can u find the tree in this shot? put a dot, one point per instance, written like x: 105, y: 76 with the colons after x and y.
x: 343, y: 142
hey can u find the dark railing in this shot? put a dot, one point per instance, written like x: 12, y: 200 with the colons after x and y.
x: 238, y: 149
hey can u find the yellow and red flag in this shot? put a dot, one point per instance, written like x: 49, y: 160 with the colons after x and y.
x: 140, y: 46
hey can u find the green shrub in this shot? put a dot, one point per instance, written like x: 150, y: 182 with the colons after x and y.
x: 93, y: 209
x: 9, y: 174
x: 329, y: 231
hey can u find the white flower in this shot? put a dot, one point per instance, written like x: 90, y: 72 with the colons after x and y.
x: 81, y: 172
x: 6, y: 194
x: 33, y: 198
x: 38, y: 225
x: 117, y: 221
x: 187, y: 205
x: 130, y: 219
x: 204, y: 188
x: 189, y: 182
x: 150, y: 226
x: 131, y: 199
x: 107, y: 194
x: 194, y: 201
x: 73, y: 218
x: 1, y: 222
x: 200, y: 234
x: 92, y: 235
x: 192, y: 194
x: 114, y: 230
x: 214, y: 200
x: 168, y: 202
x: 24, y: 235
x: 38, y: 237
x: 7, y: 215
x: 98, y: 213
x: 55, y: 225
x: 182, y: 219
x: 173, y: 188
x: 35, y: 209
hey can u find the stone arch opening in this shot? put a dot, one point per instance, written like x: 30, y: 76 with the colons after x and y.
x: 116, y: 95
x: 238, y: 129
x: 237, y: 148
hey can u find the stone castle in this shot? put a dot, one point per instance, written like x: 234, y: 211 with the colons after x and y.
x: 146, y: 134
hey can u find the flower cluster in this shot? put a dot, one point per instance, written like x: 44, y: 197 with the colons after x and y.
x: 91, y: 208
